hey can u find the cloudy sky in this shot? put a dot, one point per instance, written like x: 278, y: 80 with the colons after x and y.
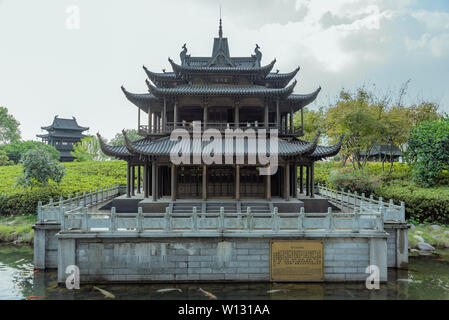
x: 51, y: 63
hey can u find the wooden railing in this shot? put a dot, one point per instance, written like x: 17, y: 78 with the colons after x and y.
x: 221, y: 126
x: 361, y: 220
x: 350, y: 200
x: 53, y: 211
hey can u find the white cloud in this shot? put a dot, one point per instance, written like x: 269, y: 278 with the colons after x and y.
x: 438, y: 45
x: 337, y: 43
x: 433, y: 20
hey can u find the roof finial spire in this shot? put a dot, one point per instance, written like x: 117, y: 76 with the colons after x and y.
x: 220, y: 31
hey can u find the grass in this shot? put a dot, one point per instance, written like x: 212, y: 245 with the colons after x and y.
x: 17, y: 229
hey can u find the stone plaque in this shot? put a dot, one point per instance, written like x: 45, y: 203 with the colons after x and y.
x: 297, y: 261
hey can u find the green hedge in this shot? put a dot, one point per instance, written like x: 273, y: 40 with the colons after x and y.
x: 422, y: 204
x: 80, y: 176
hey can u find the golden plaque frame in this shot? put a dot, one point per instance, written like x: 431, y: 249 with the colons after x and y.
x: 297, y: 260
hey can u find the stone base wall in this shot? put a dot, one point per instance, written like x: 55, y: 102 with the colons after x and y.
x: 46, y: 246
x: 208, y: 259
x: 397, y: 244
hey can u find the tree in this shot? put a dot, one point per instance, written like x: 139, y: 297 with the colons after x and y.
x: 119, y: 139
x: 88, y: 149
x: 428, y: 151
x: 357, y: 116
x: 313, y: 121
x: 9, y: 127
x: 4, y: 160
x: 39, y: 167
x: 15, y: 151
x: 396, y: 127
x: 425, y: 111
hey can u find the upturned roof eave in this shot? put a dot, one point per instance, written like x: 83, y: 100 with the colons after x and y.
x: 143, y: 100
x: 256, y: 91
x: 111, y: 150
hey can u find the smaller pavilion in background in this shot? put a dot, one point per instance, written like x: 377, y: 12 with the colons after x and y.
x: 63, y: 134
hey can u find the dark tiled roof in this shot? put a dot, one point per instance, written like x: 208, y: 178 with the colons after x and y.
x: 383, y: 150
x: 62, y: 134
x: 326, y: 151
x: 164, y: 146
x: 245, y: 69
x: 142, y: 100
x: 249, y: 90
x: 162, y: 78
x: 60, y: 123
x: 113, y: 151
x: 304, y: 97
x: 297, y: 101
x: 280, y: 79
x: 220, y: 45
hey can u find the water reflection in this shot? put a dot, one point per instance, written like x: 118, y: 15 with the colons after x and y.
x: 427, y: 278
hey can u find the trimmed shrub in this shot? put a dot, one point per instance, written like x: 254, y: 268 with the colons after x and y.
x: 353, y: 180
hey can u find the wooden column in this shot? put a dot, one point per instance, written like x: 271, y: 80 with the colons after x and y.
x: 307, y: 180
x: 301, y: 179
x: 295, y: 181
x: 154, y: 123
x: 287, y: 182
x: 150, y: 177
x: 302, y: 123
x: 204, y: 184
x: 153, y: 180
x: 138, y: 179
x: 291, y: 120
x: 268, y: 186
x: 145, y: 180
x: 312, y: 180
x: 164, y: 116
x: 138, y: 119
x: 149, y: 120
x: 265, y: 118
x: 133, y: 180
x: 175, y: 114
x: 236, y: 114
x: 205, y: 116
x: 237, y: 182
x: 278, y: 115
x: 173, y: 182
x: 128, y: 181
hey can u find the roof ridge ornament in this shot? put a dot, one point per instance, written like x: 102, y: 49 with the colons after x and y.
x: 258, y: 55
x: 183, y: 55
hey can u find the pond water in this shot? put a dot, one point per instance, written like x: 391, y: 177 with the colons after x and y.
x: 427, y: 278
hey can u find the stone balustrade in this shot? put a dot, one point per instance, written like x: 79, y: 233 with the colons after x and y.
x: 51, y: 212
x: 362, y: 219
x: 350, y: 200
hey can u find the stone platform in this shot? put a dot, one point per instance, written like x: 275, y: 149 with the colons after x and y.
x: 124, y: 204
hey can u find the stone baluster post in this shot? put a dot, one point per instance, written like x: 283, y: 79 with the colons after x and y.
x: 113, y: 220
x: 301, y: 219
x: 39, y: 212
x: 194, y: 219
x: 167, y: 219
x: 139, y: 221
x: 330, y: 218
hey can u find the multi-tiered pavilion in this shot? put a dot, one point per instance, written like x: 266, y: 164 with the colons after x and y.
x: 63, y: 134
x: 223, y: 92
